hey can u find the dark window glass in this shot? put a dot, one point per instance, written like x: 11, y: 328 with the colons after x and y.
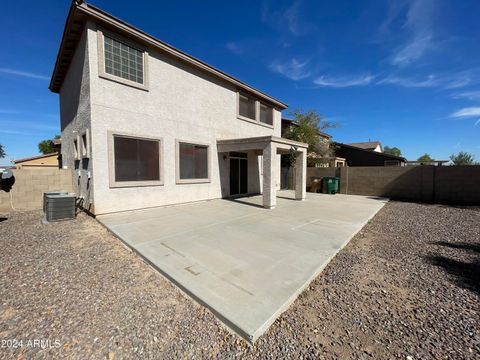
x: 136, y: 159
x: 246, y: 107
x: 266, y: 114
x: 193, y: 161
x: 123, y: 60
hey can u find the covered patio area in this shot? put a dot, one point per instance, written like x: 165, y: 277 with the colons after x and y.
x: 270, y: 147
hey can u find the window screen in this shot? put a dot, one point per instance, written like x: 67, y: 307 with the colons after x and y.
x: 123, y: 60
x: 246, y: 107
x: 193, y: 161
x: 136, y: 159
x: 266, y: 114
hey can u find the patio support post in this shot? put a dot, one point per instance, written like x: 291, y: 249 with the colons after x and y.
x: 301, y: 175
x: 269, y: 176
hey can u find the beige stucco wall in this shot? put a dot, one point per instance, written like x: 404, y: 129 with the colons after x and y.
x: 181, y: 104
x: 47, y: 161
x: 30, y: 184
x: 75, y: 117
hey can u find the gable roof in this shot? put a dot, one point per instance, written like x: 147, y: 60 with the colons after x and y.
x: 288, y: 122
x: 80, y: 11
x: 376, y: 153
x: 367, y: 145
x: 36, y: 157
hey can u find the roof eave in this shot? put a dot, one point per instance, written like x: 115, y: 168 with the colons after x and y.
x: 401, y: 158
x: 102, y: 16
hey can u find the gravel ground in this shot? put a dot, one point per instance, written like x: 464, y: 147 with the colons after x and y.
x: 407, y: 286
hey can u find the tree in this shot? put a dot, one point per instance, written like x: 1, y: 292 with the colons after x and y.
x: 425, y: 158
x: 392, y: 151
x: 45, y: 146
x: 306, y: 130
x: 462, y: 158
x: 2, y: 152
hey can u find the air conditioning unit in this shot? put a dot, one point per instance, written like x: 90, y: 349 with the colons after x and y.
x: 51, y: 193
x: 60, y: 206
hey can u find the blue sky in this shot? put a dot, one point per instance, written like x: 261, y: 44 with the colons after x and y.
x: 405, y: 72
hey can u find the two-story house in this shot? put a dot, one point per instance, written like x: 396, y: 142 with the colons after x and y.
x: 145, y: 124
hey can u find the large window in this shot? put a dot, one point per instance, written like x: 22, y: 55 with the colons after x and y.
x: 266, y: 114
x: 192, y: 162
x: 136, y: 159
x: 252, y: 110
x: 123, y: 60
x: 246, y: 107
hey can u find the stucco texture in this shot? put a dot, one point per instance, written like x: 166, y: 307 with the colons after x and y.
x: 181, y: 103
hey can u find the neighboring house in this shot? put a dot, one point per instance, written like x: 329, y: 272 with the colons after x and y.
x: 144, y: 124
x: 38, y: 162
x: 356, y: 156
x: 434, y: 162
x: 369, y: 145
x: 330, y: 161
x: 286, y: 123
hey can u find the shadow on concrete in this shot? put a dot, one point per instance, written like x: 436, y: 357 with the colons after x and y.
x: 3, y: 219
x: 286, y: 198
x: 465, y: 274
x: 244, y: 202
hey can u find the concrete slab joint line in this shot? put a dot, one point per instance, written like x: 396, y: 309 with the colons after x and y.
x: 246, y: 269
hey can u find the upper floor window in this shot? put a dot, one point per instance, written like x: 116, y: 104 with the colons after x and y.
x: 246, y: 107
x: 266, y: 114
x: 251, y: 109
x: 123, y: 60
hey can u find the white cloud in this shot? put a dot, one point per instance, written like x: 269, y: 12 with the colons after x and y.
x: 453, y: 81
x: 234, y: 48
x: 477, y: 122
x: 290, y: 18
x: 418, y: 27
x: 470, y: 95
x: 292, y: 69
x: 344, y: 81
x: 467, y: 112
x: 412, y: 51
x: 23, y: 74
x: 429, y: 81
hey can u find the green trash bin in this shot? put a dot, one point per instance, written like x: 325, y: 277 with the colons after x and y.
x: 331, y: 185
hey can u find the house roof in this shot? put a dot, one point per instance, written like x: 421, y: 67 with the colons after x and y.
x: 367, y: 145
x: 35, y: 157
x: 293, y: 122
x: 80, y: 11
x: 375, y: 153
x: 56, y: 142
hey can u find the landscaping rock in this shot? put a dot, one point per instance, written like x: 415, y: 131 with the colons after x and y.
x: 406, y: 287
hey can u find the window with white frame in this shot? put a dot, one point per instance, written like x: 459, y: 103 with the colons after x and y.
x: 266, y: 114
x: 123, y: 60
x: 136, y: 159
x: 246, y: 106
x: 192, y: 162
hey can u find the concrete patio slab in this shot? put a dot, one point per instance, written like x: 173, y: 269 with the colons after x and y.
x: 245, y: 263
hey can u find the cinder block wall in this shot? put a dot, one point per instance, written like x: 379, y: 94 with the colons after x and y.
x: 318, y: 173
x: 442, y: 184
x: 457, y: 184
x: 30, y: 184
